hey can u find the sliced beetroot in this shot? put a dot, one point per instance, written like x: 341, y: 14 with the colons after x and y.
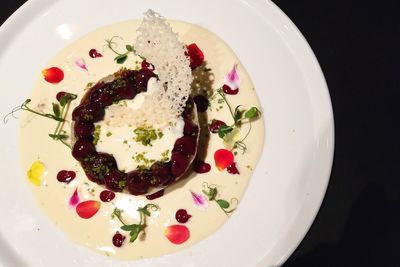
x: 88, y: 113
x: 186, y: 145
x: 101, y: 98
x: 98, y: 165
x: 83, y: 148
x: 180, y: 162
x: 115, y: 180
x: 83, y: 130
x: 137, y: 182
x: 162, y: 173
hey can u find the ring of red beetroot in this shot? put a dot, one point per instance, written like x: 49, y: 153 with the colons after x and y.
x: 102, y: 168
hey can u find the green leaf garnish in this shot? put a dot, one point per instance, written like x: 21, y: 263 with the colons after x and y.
x: 59, y: 115
x: 136, y: 228
x: 121, y: 57
x: 56, y: 110
x: 211, y: 192
x: 239, y: 117
x: 252, y: 113
x: 223, y: 203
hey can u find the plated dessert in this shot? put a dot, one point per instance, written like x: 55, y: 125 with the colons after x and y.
x: 141, y: 137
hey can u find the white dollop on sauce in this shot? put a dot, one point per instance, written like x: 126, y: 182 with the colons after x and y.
x: 120, y: 139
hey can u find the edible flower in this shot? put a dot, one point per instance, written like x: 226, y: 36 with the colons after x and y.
x: 80, y: 63
x: 36, y: 172
x: 53, y: 75
x: 196, y: 56
x: 88, y: 209
x: 223, y: 158
x: 74, y: 199
x: 231, y: 82
x: 177, y: 234
x: 199, y: 200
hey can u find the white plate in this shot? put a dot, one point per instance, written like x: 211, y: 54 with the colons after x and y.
x: 289, y: 183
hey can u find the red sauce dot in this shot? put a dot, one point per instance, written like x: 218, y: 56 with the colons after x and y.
x: 182, y: 216
x: 93, y: 53
x: 232, y: 169
x: 65, y: 176
x: 200, y: 166
x: 227, y: 90
x: 155, y: 195
x: 60, y: 94
x: 118, y: 239
x: 107, y: 196
x: 215, y: 124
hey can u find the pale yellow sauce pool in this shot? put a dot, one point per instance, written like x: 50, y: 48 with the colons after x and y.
x: 96, y: 233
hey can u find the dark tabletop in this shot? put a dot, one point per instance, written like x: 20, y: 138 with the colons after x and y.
x: 357, y: 44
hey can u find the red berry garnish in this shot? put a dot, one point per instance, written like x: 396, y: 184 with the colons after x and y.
x: 118, y: 239
x: 182, y: 216
x: 232, y: 169
x: 200, y: 166
x: 107, y: 196
x: 196, y: 56
x: 53, y: 75
x: 66, y: 176
x: 215, y: 124
x: 93, y: 53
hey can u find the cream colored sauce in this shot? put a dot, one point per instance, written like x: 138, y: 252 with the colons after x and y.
x: 96, y: 233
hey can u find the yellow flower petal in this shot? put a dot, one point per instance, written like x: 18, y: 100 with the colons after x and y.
x: 36, y: 172
x: 231, y: 138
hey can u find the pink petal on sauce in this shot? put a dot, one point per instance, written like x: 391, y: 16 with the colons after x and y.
x: 199, y: 200
x: 232, y: 78
x: 80, y: 63
x: 74, y: 200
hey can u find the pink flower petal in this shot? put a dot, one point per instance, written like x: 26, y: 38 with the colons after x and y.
x: 74, y: 200
x: 199, y: 200
x: 232, y: 78
x: 80, y: 63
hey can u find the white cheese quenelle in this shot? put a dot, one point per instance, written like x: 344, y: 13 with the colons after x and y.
x: 188, y: 210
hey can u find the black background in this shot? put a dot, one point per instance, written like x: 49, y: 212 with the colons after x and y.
x: 357, y: 44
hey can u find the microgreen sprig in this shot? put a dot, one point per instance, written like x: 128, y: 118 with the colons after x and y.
x: 60, y: 111
x: 239, y: 117
x: 121, y: 57
x: 135, y: 229
x: 211, y: 192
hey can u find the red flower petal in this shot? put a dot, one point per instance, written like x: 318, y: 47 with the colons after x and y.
x: 88, y: 209
x: 53, y: 75
x: 223, y: 158
x: 196, y: 56
x: 177, y: 234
